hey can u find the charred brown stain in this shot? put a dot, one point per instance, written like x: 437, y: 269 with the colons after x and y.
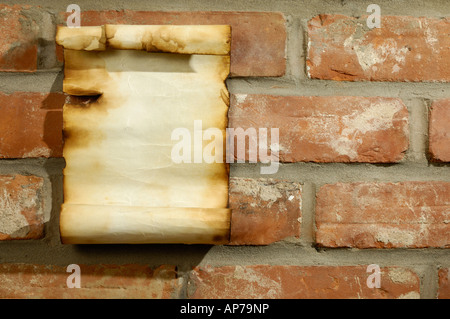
x: 221, y: 239
x: 82, y: 100
x: 85, y: 73
x: 161, y: 41
x: 86, y: 80
x: 218, y: 185
x: 217, y: 219
x: 224, y: 67
x: 218, y: 181
x: 218, y: 173
x: 224, y: 238
x: 75, y: 132
x: 76, y: 136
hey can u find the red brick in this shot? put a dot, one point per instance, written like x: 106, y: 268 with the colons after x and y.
x: 384, y: 215
x: 444, y: 283
x: 21, y: 207
x: 18, y: 43
x: 439, y: 130
x: 31, y: 124
x: 327, y: 128
x: 304, y: 282
x: 263, y: 210
x: 97, y: 281
x: 258, y: 38
x: 403, y: 49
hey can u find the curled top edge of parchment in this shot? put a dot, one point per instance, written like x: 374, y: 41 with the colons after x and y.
x: 181, y: 39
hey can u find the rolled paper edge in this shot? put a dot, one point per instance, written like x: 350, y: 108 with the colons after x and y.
x: 81, y: 38
x: 181, y: 39
x: 97, y: 224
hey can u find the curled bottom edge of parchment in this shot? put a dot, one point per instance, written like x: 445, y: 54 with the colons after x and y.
x: 92, y: 224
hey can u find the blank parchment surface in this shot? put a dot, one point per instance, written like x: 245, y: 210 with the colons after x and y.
x: 120, y: 182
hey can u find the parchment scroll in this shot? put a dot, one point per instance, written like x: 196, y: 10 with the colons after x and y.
x: 120, y: 183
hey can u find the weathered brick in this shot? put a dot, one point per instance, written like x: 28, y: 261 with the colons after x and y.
x: 326, y: 128
x: 444, y: 283
x: 404, y: 48
x: 258, y: 38
x: 97, y: 281
x: 21, y: 207
x: 383, y: 215
x: 19, y: 40
x: 263, y: 210
x: 31, y: 124
x: 291, y: 282
x: 439, y: 130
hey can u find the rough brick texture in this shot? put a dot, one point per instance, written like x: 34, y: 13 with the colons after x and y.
x: 289, y: 282
x: 403, y: 49
x: 263, y: 210
x: 21, y: 207
x: 258, y: 39
x: 31, y: 125
x: 97, y: 281
x: 444, y: 283
x: 18, y: 43
x: 326, y: 129
x: 383, y: 215
x: 439, y: 130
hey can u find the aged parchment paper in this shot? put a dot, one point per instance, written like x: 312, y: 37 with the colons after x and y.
x: 120, y: 182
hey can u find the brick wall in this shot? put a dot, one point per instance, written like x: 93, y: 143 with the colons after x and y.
x: 363, y: 117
